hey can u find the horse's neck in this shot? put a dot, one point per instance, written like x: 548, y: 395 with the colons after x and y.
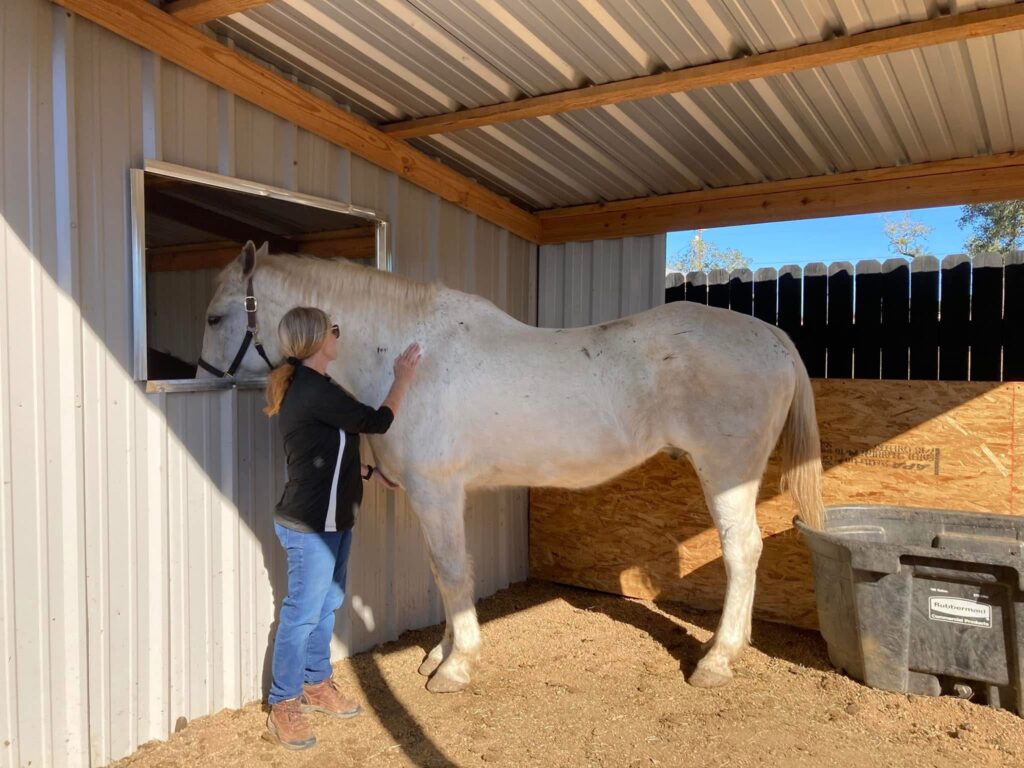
x: 369, y: 342
x: 375, y: 326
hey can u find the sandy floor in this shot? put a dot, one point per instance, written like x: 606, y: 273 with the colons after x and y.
x: 575, y: 678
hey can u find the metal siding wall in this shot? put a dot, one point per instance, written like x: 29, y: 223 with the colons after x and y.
x: 150, y: 516
x: 176, y: 305
x: 591, y: 282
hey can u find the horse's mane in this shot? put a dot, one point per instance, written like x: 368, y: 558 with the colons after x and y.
x: 310, y: 279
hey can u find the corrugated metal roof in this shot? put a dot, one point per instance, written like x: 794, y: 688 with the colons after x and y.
x: 396, y: 59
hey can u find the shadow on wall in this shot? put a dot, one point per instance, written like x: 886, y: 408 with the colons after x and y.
x: 178, y: 567
x: 143, y: 521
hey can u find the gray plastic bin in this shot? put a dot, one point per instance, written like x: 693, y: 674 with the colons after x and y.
x: 923, y: 601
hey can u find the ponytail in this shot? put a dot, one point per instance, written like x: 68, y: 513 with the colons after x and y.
x: 277, y: 387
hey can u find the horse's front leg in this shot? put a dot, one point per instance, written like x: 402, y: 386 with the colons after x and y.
x: 440, y: 509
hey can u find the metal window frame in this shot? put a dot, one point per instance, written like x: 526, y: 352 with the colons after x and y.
x: 137, y: 205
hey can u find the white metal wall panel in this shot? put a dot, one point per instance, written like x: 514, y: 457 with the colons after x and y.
x: 139, y: 570
x: 592, y: 282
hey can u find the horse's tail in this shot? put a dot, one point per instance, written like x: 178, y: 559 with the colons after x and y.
x: 801, y: 446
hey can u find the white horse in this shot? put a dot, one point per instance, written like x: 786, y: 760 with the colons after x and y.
x: 499, y: 403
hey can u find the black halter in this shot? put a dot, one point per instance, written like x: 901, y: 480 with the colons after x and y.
x: 251, y: 337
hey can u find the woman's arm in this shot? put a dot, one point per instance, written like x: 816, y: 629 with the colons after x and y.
x: 341, y: 411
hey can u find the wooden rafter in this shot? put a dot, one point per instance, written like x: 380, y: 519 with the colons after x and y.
x: 178, y: 43
x: 903, y: 37
x: 949, y: 182
x: 220, y: 223
x: 201, y: 11
x: 355, y: 243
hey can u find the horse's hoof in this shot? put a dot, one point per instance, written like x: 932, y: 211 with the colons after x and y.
x: 430, y: 665
x: 441, y: 683
x: 453, y: 675
x: 706, y: 677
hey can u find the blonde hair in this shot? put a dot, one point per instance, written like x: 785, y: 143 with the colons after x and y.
x: 301, y: 332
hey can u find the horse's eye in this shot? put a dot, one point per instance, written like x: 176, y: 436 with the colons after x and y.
x: 213, y: 320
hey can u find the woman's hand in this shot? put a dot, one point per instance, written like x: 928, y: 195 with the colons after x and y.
x: 405, y: 369
x: 373, y: 472
x: 405, y: 363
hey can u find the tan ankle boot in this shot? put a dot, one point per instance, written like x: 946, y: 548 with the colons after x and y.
x: 288, y: 727
x: 325, y: 697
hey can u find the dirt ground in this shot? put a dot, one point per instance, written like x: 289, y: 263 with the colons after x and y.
x: 576, y: 678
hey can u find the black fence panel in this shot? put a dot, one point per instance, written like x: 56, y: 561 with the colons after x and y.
x: 718, y: 288
x: 962, y: 320
x: 741, y: 291
x: 839, y: 326
x: 895, y: 319
x: 924, y: 318
x: 812, y: 342
x: 766, y: 294
x: 789, y: 302
x: 1013, y: 318
x: 985, y: 329
x: 954, y: 316
x: 867, y: 321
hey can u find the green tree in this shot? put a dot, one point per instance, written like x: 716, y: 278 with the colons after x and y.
x: 702, y: 255
x: 997, y: 227
x: 907, y: 237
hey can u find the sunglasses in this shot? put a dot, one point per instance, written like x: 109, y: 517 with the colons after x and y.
x: 335, y: 330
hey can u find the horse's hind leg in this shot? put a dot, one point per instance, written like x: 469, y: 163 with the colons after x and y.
x: 440, y: 511
x: 732, y: 503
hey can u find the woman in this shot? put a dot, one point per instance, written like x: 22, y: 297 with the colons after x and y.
x: 321, y: 424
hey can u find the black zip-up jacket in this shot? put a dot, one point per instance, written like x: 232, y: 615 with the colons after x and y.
x: 321, y: 424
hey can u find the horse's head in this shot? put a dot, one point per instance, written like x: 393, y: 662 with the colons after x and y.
x: 236, y: 325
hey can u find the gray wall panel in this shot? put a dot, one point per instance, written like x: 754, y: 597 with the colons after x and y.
x: 587, y: 283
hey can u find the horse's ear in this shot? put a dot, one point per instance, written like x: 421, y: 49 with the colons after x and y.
x: 247, y: 258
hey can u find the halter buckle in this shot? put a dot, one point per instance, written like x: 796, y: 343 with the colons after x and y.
x: 250, y: 304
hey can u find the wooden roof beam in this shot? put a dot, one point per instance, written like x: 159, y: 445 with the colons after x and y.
x: 201, y: 11
x: 946, y: 29
x: 178, y: 43
x: 924, y: 185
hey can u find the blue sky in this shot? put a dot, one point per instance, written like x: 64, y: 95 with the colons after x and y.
x: 841, y: 238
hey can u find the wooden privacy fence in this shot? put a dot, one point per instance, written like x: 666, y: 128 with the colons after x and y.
x: 958, y: 320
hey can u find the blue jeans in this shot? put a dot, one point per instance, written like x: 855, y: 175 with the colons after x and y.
x: 317, y: 564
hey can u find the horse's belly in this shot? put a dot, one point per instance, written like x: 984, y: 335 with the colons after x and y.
x: 559, y: 469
